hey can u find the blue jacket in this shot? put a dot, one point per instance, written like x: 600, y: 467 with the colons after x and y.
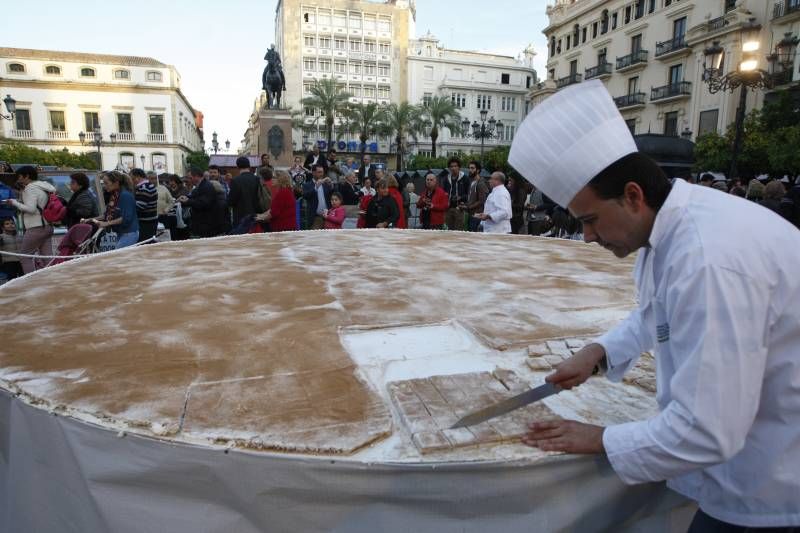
x: 312, y: 200
x: 127, y: 210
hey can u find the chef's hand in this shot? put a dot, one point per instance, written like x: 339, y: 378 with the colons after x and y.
x: 565, y: 436
x: 578, y: 368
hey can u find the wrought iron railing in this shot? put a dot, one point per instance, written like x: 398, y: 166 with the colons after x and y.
x: 717, y: 24
x: 600, y: 70
x: 637, y: 57
x: 680, y: 88
x: 630, y: 100
x: 569, y: 80
x: 666, y: 47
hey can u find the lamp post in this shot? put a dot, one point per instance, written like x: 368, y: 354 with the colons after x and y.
x: 141, y: 157
x: 11, y: 106
x: 214, y: 143
x: 485, y: 130
x: 97, y: 140
x: 746, y: 76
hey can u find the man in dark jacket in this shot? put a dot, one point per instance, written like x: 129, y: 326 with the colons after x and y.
x: 349, y: 189
x: 314, y: 157
x: 243, y: 197
x: 476, y: 197
x: 382, y: 211
x: 317, y: 194
x: 456, y: 185
x: 367, y: 170
x: 206, y: 218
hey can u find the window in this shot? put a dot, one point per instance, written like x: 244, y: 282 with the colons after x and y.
x: 307, y: 88
x: 679, y: 28
x: 708, y: 122
x: 369, y: 47
x: 52, y: 70
x: 87, y: 72
x: 369, y: 92
x: 369, y: 70
x: 309, y: 17
x: 355, y: 21
x: 91, y: 121
x: 639, y: 9
x: 568, y: 41
x: 426, y: 98
x: 339, y: 44
x: 631, y: 123
x: 22, y: 118
x: 157, y: 124
x: 385, y: 49
x: 675, y: 74
x: 652, y: 6
x: 383, y: 70
x: 508, y: 103
x: 528, y: 82
x: 585, y: 31
x: 340, y: 67
x: 594, y: 30
x: 369, y: 24
x: 505, y: 79
x: 484, y: 101
x: 551, y: 74
x: 614, y: 21
x: 324, y: 18
x: 127, y: 160
x: 573, y: 67
x: 310, y: 112
x: 633, y: 85
x: 324, y: 42
x: 310, y: 40
x: 340, y: 19
x: 385, y: 26
x: 552, y: 46
x: 355, y: 90
x: 636, y: 43
x: 16, y: 68
x: 152, y: 75
x: 384, y: 92
x: 427, y: 73
x: 627, y: 14
x: 309, y: 64
x: 355, y: 46
x: 57, y: 122
x: 671, y: 124
x: 604, y: 22
x: 558, y: 47
x: 459, y: 100
x: 122, y: 75
x: 324, y: 65
x: 355, y: 68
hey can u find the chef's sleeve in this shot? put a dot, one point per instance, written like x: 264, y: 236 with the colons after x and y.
x: 624, y: 344
x: 719, y: 322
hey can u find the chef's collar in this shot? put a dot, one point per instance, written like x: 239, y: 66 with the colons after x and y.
x: 670, y: 212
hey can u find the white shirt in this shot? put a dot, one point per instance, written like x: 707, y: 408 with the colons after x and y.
x: 498, y: 207
x: 719, y: 299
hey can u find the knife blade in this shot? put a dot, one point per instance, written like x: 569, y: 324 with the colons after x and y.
x: 506, y: 406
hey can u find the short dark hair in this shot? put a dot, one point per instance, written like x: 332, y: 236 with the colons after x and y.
x: 477, y: 165
x: 315, y: 167
x: 213, y: 167
x: 707, y: 177
x: 453, y: 160
x: 138, y: 173
x: 242, y: 162
x: 174, y: 178
x: 27, y: 171
x: 264, y: 155
x: 81, y: 179
x: 337, y: 195
x: 195, y: 171
x: 639, y: 169
x: 265, y: 173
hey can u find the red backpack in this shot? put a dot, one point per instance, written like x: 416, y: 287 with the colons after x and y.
x: 55, y: 210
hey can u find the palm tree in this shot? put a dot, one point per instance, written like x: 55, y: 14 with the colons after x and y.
x: 440, y: 112
x: 331, y: 100
x: 401, y: 121
x: 365, y: 120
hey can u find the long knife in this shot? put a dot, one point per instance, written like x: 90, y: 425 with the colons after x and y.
x: 506, y: 406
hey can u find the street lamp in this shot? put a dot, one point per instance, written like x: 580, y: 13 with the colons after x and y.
x: 491, y: 129
x: 97, y: 140
x: 227, y: 145
x: 214, y: 143
x: 142, y: 159
x: 11, y: 105
x: 747, y: 76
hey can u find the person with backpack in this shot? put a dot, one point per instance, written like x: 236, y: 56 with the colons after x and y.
x: 37, y: 231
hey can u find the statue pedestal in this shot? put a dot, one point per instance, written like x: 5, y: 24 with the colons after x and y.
x: 275, y: 136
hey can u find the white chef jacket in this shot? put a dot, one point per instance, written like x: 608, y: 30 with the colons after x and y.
x: 719, y: 300
x: 498, y: 207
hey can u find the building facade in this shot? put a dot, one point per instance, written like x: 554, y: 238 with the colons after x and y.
x: 474, y: 81
x: 361, y: 44
x: 651, y: 56
x: 137, y: 99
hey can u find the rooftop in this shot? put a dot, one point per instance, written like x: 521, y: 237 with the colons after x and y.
x: 79, y: 57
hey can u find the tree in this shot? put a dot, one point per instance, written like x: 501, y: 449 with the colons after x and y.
x: 497, y: 160
x: 199, y: 160
x: 402, y: 121
x: 423, y: 162
x: 19, y: 153
x: 712, y: 153
x: 440, y: 112
x: 331, y: 100
x: 365, y: 120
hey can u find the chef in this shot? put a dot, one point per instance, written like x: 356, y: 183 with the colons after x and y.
x: 721, y: 314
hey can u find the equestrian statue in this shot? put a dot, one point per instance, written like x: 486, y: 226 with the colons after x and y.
x: 273, y: 81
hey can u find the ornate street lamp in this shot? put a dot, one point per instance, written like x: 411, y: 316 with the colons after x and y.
x: 141, y: 157
x: 786, y: 51
x: 491, y: 129
x: 97, y: 140
x: 227, y: 145
x: 11, y: 105
x: 214, y: 143
x: 746, y: 76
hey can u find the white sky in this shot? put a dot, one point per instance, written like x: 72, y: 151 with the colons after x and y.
x: 218, y: 47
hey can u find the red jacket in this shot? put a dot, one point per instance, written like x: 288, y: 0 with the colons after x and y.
x: 439, y: 205
x: 335, y: 218
x: 362, y: 206
x: 284, y: 211
x: 398, y: 198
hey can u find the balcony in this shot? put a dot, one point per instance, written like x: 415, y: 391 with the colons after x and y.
x: 630, y: 100
x: 569, y: 80
x: 785, y: 9
x: 673, y: 91
x: 602, y: 70
x: 156, y: 137
x: 56, y: 134
x: 632, y: 61
x: 675, y: 46
x: 783, y: 77
x: 716, y: 24
x: 22, y: 134
x: 125, y: 137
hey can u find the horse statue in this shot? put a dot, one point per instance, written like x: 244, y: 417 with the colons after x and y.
x: 273, y: 81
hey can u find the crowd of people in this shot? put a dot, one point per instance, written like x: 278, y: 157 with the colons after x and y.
x: 316, y: 193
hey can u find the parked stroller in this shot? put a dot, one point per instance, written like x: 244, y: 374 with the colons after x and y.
x: 81, y: 239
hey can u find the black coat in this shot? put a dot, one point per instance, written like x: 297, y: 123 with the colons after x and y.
x: 349, y: 193
x: 206, y: 218
x: 382, y: 209
x: 363, y: 173
x: 243, y: 198
x: 321, y: 161
x: 462, y: 189
x: 80, y: 205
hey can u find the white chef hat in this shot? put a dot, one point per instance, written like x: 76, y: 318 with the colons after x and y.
x: 569, y: 139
